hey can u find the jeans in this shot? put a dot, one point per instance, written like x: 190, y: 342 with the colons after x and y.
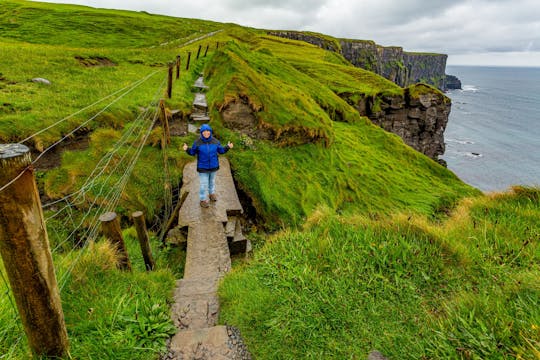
x: 207, y: 184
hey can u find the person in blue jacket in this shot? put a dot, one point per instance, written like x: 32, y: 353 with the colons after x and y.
x: 206, y: 148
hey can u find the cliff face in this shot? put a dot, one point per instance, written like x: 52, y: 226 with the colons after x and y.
x: 419, y: 119
x: 420, y: 116
x: 391, y: 62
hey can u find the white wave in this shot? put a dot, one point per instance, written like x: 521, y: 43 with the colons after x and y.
x: 462, y: 142
x: 471, y: 88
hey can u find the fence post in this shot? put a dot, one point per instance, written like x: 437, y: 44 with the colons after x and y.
x: 142, y: 234
x: 24, y: 245
x: 199, y: 51
x: 178, y: 66
x: 188, y: 58
x: 217, y: 45
x: 169, y: 80
x: 110, y: 226
x: 206, y: 51
x: 165, y: 123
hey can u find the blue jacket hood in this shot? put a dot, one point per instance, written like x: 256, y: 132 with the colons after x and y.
x: 205, y: 127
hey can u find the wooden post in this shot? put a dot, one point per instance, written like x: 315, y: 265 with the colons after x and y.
x: 142, y: 234
x: 164, y: 123
x: 178, y: 59
x: 110, y: 226
x: 217, y: 45
x: 199, y: 51
x: 174, y: 215
x: 24, y: 246
x: 169, y: 80
x: 206, y: 51
x: 188, y: 58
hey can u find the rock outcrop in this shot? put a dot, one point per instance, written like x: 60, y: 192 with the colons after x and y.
x: 452, y: 83
x: 419, y: 117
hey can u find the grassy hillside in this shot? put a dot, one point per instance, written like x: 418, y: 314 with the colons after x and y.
x: 363, y: 218
x: 467, y: 288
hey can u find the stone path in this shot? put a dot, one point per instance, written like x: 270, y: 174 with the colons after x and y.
x: 196, y: 307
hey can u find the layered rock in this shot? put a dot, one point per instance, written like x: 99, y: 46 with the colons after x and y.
x: 391, y: 62
x: 419, y: 117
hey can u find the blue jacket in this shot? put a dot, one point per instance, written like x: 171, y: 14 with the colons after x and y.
x: 207, y: 151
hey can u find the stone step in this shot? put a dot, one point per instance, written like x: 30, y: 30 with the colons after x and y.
x: 205, y: 344
x: 200, y: 101
x: 197, y: 117
x: 230, y: 227
x: 238, y: 243
x: 199, y: 84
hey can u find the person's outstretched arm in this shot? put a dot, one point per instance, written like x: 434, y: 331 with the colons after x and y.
x: 224, y: 149
x: 191, y: 150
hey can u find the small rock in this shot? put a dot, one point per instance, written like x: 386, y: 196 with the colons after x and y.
x: 375, y: 355
x: 41, y: 81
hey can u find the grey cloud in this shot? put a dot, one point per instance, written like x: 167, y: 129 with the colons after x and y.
x: 297, y: 6
x: 444, y: 26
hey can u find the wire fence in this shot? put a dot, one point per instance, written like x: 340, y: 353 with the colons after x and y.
x: 73, y: 219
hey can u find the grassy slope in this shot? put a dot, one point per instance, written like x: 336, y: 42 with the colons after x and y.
x: 341, y: 160
x: 347, y: 166
x: 344, y: 285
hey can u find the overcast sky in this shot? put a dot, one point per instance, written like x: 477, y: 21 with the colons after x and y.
x: 471, y: 32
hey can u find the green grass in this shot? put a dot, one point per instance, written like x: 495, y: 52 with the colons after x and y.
x: 376, y: 178
x: 344, y: 285
x: 85, y: 27
x: 110, y: 314
x: 354, y: 277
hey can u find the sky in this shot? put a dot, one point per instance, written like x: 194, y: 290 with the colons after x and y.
x: 471, y: 32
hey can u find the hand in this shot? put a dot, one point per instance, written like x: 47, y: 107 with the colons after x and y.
x: 230, y: 145
x: 185, y: 147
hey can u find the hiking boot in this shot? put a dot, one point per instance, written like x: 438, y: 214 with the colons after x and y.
x: 213, y: 197
x: 205, y: 204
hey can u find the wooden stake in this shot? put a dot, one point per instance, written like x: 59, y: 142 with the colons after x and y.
x: 142, y: 234
x: 174, y: 215
x: 199, y: 51
x: 188, y: 58
x: 170, y: 80
x: 165, y: 124
x: 217, y: 45
x: 24, y: 246
x: 206, y: 51
x: 178, y: 59
x: 110, y: 226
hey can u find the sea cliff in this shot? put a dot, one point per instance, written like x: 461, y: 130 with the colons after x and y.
x: 391, y: 62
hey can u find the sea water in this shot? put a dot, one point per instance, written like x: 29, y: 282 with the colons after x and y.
x: 493, y: 133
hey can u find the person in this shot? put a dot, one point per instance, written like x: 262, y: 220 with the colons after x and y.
x: 206, y: 148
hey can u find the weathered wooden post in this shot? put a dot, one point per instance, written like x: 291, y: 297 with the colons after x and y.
x: 178, y: 59
x: 170, y: 80
x: 199, y: 51
x: 24, y: 246
x: 188, y: 58
x: 164, y: 123
x: 206, y: 51
x: 142, y: 234
x: 110, y: 226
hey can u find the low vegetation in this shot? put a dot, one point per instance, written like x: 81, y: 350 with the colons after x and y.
x: 342, y: 286
x: 363, y: 243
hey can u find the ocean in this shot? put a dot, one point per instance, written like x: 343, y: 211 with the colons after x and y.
x: 493, y: 133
